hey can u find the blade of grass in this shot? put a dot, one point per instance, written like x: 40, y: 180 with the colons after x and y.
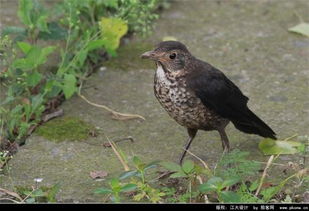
x: 270, y: 160
x: 118, y: 154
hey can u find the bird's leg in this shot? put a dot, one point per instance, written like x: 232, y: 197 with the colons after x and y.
x: 191, y: 133
x: 224, y: 140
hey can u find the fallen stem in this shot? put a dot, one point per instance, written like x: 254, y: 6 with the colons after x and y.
x: 116, y: 115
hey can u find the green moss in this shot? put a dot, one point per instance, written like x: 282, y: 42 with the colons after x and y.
x: 65, y: 129
x: 128, y: 57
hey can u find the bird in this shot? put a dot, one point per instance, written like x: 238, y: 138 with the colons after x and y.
x: 199, y: 96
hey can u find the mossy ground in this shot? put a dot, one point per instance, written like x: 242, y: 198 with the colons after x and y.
x: 66, y: 129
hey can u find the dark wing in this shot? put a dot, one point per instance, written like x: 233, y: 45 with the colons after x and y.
x: 220, y: 94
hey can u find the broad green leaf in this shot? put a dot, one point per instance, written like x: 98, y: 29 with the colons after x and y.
x: 114, y: 183
x: 152, y: 164
x: 137, y: 161
x: 34, y: 78
x: 95, y: 44
x: 51, y: 195
x: 69, y: 85
x: 37, y: 193
x: 254, y: 185
x: 55, y: 32
x: 35, y: 57
x: 24, y: 11
x: 112, y: 29
x: 44, y: 53
x: 268, y: 193
x: 230, y: 182
x: 272, y: 147
x: 128, y: 187
x: 36, y: 101
x: 24, y: 46
x: 13, y: 30
x: 52, y: 88
x: 81, y: 57
x: 111, y: 3
x: 188, y: 166
x: 178, y: 174
x: 30, y: 200
x: 23, y: 64
x: 171, y: 166
x: 128, y: 174
x: 229, y: 196
x: 213, y: 184
x: 103, y: 191
x: 302, y: 28
x: 42, y: 23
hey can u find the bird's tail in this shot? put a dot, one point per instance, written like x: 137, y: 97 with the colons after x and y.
x: 254, y: 125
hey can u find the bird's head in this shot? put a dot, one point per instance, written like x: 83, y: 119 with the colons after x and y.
x: 172, y: 55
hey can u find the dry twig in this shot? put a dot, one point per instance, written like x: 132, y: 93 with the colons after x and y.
x: 116, y: 115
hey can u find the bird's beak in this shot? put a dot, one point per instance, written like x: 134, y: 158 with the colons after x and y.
x: 149, y: 55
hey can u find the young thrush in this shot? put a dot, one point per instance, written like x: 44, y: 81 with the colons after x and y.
x: 199, y: 96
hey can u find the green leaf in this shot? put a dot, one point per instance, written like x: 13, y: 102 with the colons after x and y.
x: 254, y: 185
x: 229, y: 196
x: 69, y: 85
x: 152, y: 164
x: 213, y: 184
x: 103, y: 191
x: 42, y: 23
x: 35, y: 57
x: 51, y: 195
x: 44, y: 53
x: 112, y: 29
x: 178, y: 174
x: 55, y: 32
x: 111, y: 3
x: 114, y: 183
x: 13, y: 30
x: 34, y: 78
x: 273, y: 147
x: 230, y: 182
x: 30, y: 200
x: 38, y: 193
x: 171, y: 166
x: 188, y: 166
x: 128, y: 187
x: 302, y: 28
x: 268, y: 193
x: 128, y: 174
x: 24, y: 46
x: 24, y: 11
x: 136, y: 160
x: 81, y: 57
x: 95, y: 44
x: 23, y: 64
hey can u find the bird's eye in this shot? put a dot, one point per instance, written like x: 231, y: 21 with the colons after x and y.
x: 173, y: 56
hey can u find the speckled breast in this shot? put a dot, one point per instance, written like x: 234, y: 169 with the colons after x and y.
x: 182, y: 105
